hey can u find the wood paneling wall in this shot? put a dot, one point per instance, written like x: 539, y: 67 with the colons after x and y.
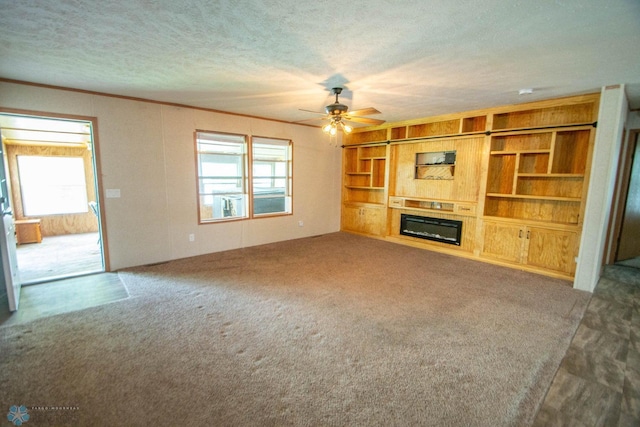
x: 465, y: 186
x: 53, y: 225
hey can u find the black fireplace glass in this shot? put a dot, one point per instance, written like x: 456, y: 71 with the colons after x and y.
x: 437, y: 229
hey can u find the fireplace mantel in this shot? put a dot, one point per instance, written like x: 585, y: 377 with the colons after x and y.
x: 432, y: 205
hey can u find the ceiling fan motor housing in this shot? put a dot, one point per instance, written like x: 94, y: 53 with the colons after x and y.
x: 336, y: 109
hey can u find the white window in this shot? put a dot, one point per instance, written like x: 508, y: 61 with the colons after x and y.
x: 52, y: 185
x: 229, y: 189
x: 271, y: 168
x: 222, y: 188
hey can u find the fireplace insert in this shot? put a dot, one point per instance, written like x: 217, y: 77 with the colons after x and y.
x: 438, y: 229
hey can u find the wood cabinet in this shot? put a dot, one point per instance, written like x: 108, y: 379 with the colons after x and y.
x: 554, y: 250
x: 518, y: 183
x: 537, y: 247
x: 364, y: 219
x: 503, y: 241
x: 537, y: 179
x: 364, y: 189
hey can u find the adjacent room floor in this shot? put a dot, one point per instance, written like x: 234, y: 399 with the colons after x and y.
x: 59, y: 256
x: 598, y: 382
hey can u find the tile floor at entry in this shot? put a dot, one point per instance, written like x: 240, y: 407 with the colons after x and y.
x: 598, y: 382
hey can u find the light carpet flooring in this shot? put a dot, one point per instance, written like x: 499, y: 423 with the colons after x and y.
x: 333, y: 330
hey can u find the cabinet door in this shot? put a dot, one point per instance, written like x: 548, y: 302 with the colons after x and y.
x: 351, y: 218
x: 551, y: 249
x: 502, y: 241
x: 373, y: 221
x: 366, y: 220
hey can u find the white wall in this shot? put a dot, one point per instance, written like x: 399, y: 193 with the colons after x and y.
x: 633, y: 120
x: 147, y: 151
x: 611, y: 123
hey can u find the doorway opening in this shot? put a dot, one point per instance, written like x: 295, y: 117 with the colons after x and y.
x: 52, y: 183
x: 623, y: 235
x: 628, y: 244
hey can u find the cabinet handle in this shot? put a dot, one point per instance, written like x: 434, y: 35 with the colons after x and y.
x: 520, y: 234
x: 528, y: 231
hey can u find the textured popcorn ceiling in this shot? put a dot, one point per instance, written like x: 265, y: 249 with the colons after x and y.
x: 409, y: 59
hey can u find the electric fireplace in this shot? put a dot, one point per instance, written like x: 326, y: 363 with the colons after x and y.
x: 438, y: 229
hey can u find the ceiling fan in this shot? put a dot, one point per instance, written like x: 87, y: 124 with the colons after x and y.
x: 338, y: 113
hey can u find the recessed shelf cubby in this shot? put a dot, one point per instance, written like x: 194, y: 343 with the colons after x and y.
x: 399, y: 132
x: 521, y: 142
x: 364, y: 174
x: 376, y: 135
x: 561, y: 115
x: 474, y: 124
x: 447, y: 127
x: 545, y: 210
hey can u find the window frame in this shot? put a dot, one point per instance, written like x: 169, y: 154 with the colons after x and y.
x: 288, y: 187
x: 247, y: 176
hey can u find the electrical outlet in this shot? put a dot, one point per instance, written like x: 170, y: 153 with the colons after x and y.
x: 192, y: 237
x: 300, y: 223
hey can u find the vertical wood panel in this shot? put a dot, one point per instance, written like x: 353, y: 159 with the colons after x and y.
x: 464, y: 186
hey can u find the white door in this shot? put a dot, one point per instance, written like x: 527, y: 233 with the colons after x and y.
x: 8, y: 253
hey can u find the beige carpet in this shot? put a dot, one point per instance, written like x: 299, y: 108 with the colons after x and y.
x: 335, y: 330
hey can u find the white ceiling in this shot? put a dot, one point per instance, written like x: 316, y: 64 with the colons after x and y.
x: 408, y: 59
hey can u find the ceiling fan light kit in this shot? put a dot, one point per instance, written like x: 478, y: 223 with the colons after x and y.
x: 335, y: 124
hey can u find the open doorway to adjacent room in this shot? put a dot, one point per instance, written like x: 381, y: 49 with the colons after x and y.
x: 628, y: 250
x: 51, y: 171
x: 623, y: 237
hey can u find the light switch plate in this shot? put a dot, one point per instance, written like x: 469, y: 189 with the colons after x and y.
x: 113, y: 193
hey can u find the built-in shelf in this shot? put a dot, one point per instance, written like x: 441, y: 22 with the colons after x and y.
x: 447, y: 206
x: 552, y: 175
x: 526, y: 196
x: 512, y: 152
x: 356, y: 187
x: 542, y: 223
x: 364, y: 174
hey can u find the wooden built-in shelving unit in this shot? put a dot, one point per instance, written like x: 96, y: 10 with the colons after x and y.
x: 519, y: 181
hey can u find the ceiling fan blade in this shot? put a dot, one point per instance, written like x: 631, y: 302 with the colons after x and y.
x: 365, y: 120
x: 311, y: 111
x: 311, y: 120
x: 364, y: 112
